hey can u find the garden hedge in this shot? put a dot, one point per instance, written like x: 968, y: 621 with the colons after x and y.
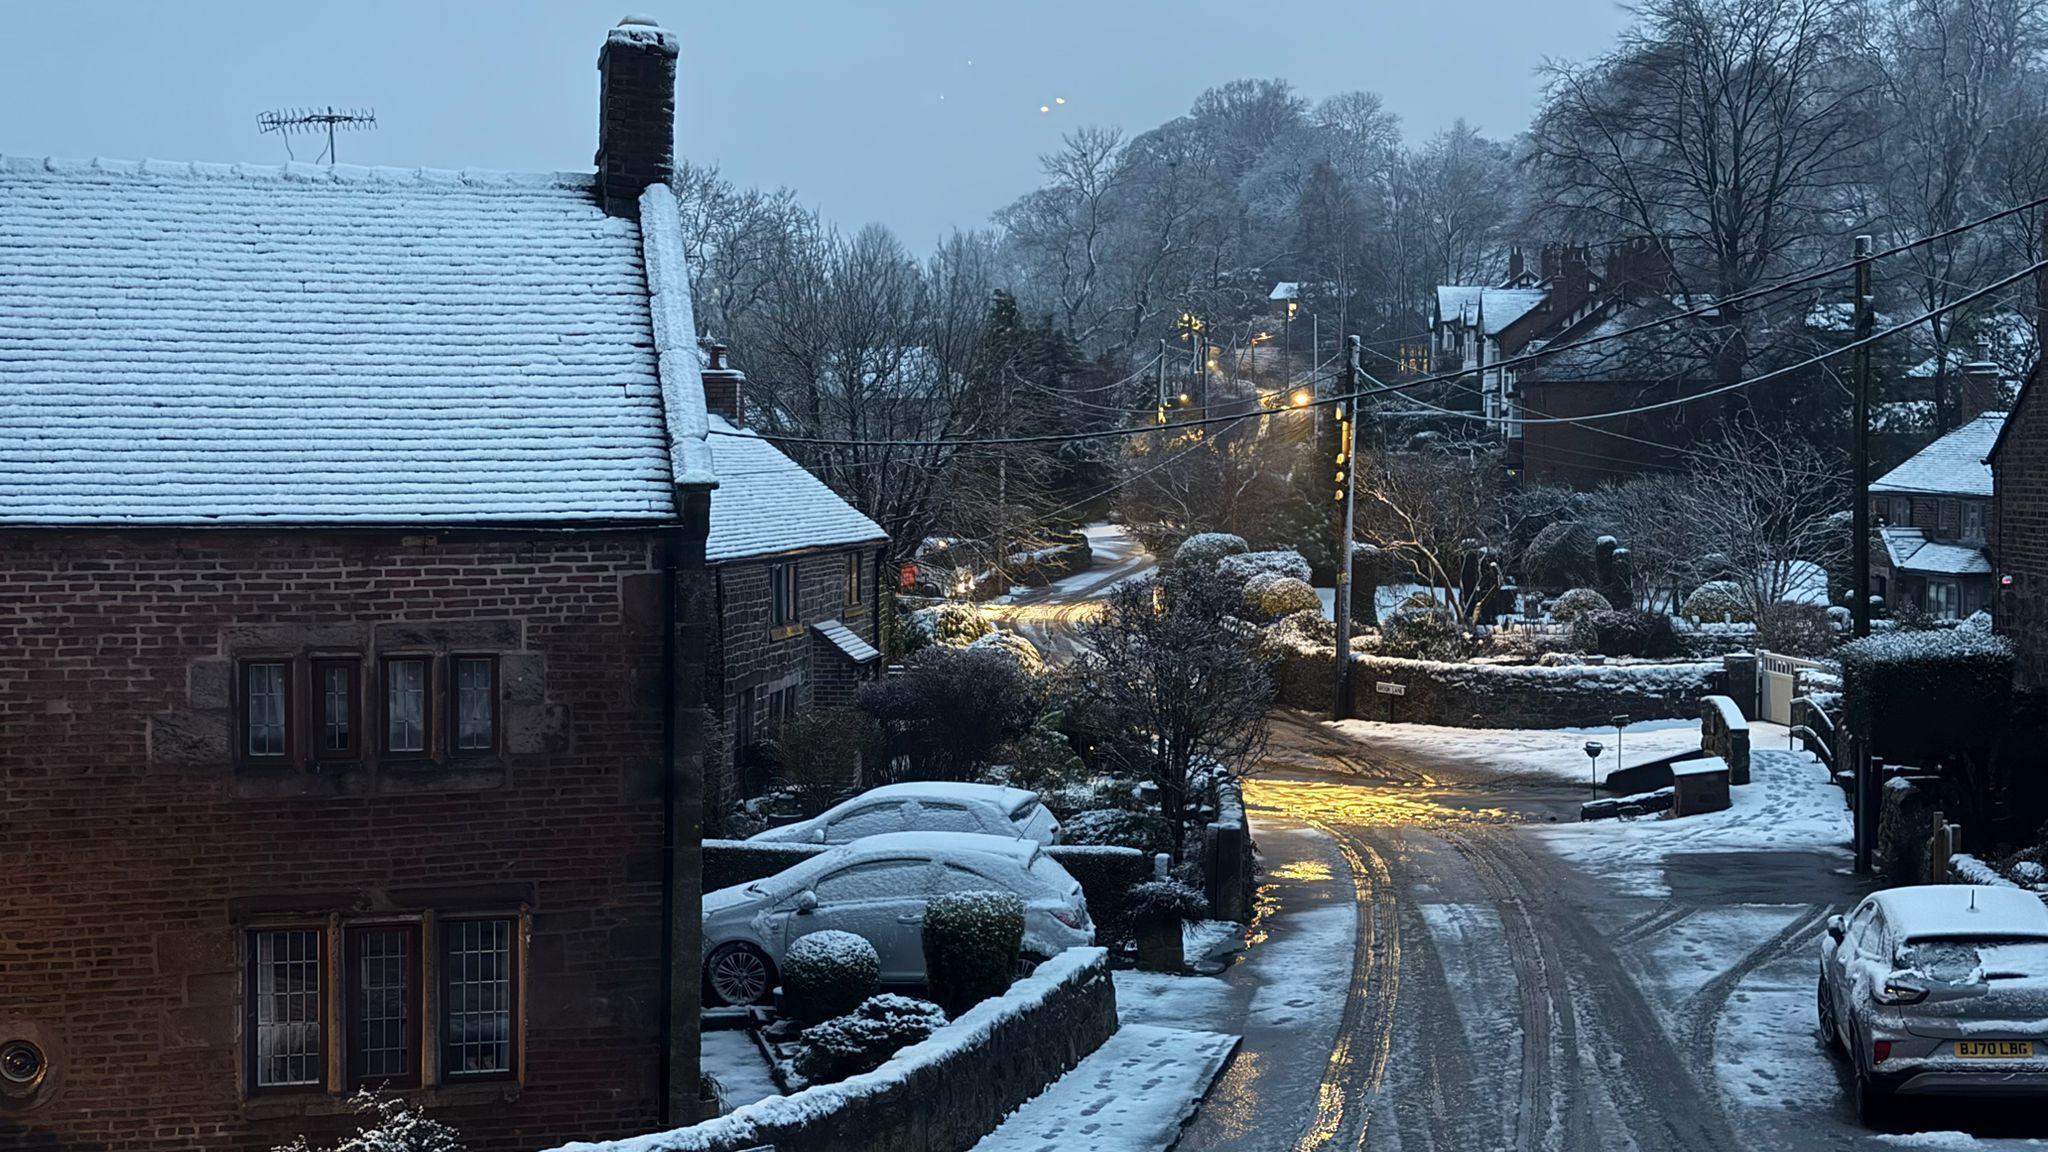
x: 971, y: 944
x: 1921, y: 696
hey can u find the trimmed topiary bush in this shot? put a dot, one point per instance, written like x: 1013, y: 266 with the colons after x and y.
x: 1716, y: 601
x: 1249, y: 564
x: 1577, y: 603
x: 827, y: 974
x: 1560, y: 555
x: 1423, y: 633
x: 1106, y: 875
x: 1300, y: 631
x: 1012, y: 645
x: 971, y: 944
x: 1625, y: 633
x: 1145, y: 831
x: 1204, y: 549
x: 1270, y: 595
x: 950, y: 622
x: 864, y: 1039
x: 1922, y: 696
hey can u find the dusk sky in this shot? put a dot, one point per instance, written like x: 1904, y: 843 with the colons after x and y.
x: 923, y: 116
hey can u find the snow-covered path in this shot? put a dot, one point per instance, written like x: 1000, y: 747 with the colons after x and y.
x: 1130, y: 1095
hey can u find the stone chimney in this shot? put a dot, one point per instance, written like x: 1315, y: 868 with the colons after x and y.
x: 1515, y: 264
x: 636, y: 113
x: 1983, y: 385
x: 722, y: 386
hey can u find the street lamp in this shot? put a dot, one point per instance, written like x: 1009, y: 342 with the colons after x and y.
x: 1302, y: 397
x: 1619, y: 723
x: 1593, y: 750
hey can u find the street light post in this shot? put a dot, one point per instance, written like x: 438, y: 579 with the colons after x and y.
x: 1593, y: 750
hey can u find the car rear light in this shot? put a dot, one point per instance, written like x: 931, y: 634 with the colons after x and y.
x: 1880, y: 1051
x: 1076, y: 920
x: 1901, y: 992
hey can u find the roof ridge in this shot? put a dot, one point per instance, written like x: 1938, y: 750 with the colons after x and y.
x: 667, y: 262
x: 298, y: 172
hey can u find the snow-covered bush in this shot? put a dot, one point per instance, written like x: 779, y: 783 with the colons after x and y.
x: 1420, y: 632
x: 1270, y: 595
x: 1796, y: 629
x: 827, y: 974
x: 1092, y: 794
x: 1242, y: 567
x: 971, y: 944
x: 1300, y: 631
x: 1144, y: 831
x: 949, y: 622
x: 1577, y: 603
x: 1168, y: 898
x: 1204, y: 549
x: 1923, y: 696
x: 1560, y: 555
x: 864, y: 1039
x: 1717, y: 601
x: 1012, y: 645
x: 1625, y: 633
x: 391, y: 1126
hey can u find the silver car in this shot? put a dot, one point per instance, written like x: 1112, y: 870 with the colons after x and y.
x: 1940, y: 990
x: 925, y: 806
x: 877, y: 888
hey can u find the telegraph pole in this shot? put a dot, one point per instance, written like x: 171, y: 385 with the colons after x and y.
x: 1161, y: 381
x: 1345, y: 412
x: 1859, y: 466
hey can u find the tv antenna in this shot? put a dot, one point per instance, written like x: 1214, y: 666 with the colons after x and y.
x: 289, y: 122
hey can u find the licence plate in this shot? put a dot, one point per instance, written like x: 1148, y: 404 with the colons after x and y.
x: 1994, y: 1049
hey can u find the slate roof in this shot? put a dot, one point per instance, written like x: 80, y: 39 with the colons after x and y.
x: 1500, y: 306
x: 1955, y: 465
x: 241, y: 345
x: 767, y: 503
x: 1909, y: 550
x: 847, y: 641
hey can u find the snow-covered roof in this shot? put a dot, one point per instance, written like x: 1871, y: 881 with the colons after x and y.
x: 1954, y: 465
x: 1285, y: 290
x: 244, y: 345
x: 1908, y: 549
x: 847, y: 641
x: 1962, y: 911
x: 767, y: 503
x: 1500, y: 307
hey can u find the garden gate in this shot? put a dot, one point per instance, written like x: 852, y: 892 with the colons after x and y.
x: 1777, y: 684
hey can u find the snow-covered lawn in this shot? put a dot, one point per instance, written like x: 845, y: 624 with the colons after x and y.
x: 1790, y: 805
x: 1130, y: 1095
x: 1559, y: 752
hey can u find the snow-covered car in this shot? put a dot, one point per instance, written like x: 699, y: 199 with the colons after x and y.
x: 927, y: 806
x: 877, y: 888
x: 1940, y: 990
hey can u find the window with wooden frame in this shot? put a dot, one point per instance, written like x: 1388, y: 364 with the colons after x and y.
x: 336, y: 713
x: 473, y: 705
x: 382, y: 995
x: 287, y: 1011
x: 408, y: 713
x: 479, y: 999
x: 853, y: 579
x: 782, y: 594
x: 265, y: 710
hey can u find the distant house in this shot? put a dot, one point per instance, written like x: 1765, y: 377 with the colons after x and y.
x: 1931, y: 513
x: 2019, y: 533
x: 797, y: 581
x: 352, y: 533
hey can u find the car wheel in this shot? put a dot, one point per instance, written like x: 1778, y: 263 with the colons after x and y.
x: 737, y: 974
x: 1028, y: 962
x: 1830, y: 1030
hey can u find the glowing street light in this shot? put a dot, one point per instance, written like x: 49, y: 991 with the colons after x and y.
x: 1301, y: 397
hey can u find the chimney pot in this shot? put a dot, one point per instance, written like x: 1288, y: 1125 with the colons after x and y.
x: 636, y: 114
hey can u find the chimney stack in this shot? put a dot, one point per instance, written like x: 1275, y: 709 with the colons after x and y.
x: 1983, y: 385
x: 636, y: 113
x: 1515, y: 264
x: 722, y: 386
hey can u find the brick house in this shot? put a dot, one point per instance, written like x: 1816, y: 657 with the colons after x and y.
x: 796, y: 578
x: 352, y: 527
x: 1931, y: 512
x: 2019, y: 532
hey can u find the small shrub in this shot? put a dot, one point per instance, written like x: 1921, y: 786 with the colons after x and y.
x: 951, y: 623
x: 971, y: 944
x: 1107, y: 876
x: 1423, y: 633
x: 1242, y: 567
x: 1576, y: 603
x: 1797, y: 629
x: 1716, y: 601
x: 1204, y: 549
x: 864, y: 1039
x: 818, y: 755
x: 1269, y: 596
x: 1144, y: 831
x: 1171, y: 898
x: 829, y: 973
x: 1625, y: 633
x: 392, y: 1127
x: 1300, y: 630
x: 1011, y: 645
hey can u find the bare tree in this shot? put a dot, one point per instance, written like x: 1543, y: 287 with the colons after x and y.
x: 1064, y: 226
x: 1763, y: 510
x: 1440, y: 514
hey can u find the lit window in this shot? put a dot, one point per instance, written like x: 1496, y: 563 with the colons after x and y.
x: 266, y: 715
x: 476, y: 694
x: 284, y: 1008
x: 405, y: 706
x: 476, y: 1032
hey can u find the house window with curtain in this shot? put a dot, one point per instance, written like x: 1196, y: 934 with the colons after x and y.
x: 383, y: 995
x: 407, y: 684
x: 287, y: 1045
x: 477, y: 998
x: 266, y: 709
x: 337, y: 733
x: 475, y: 704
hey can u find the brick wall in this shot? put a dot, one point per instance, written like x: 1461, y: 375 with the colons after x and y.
x: 136, y: 850
x: 1588, y: 455
x: 2019, y: 538
x: 751, y: 655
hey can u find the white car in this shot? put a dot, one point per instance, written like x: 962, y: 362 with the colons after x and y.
x: 1940, y: 990
x: 877, y: 888
x: 925, y: 806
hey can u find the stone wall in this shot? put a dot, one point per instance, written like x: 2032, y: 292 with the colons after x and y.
x: 1724, y: 732
x: 1227, y: 857
x: 1499, y: 695
x: 140, y: 852
x: 943, y: 1095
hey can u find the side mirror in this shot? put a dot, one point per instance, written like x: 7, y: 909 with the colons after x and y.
x: 1836, y: 926
x: 806, y: 902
